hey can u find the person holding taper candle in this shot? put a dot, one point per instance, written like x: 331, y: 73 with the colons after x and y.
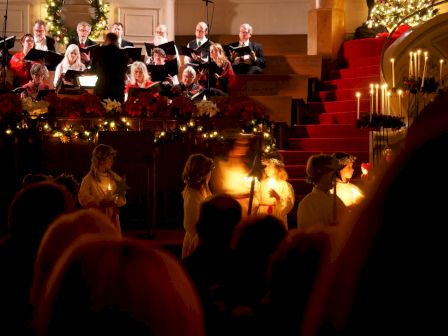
x: 102, y: 188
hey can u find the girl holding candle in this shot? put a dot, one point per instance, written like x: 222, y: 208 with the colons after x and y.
x: 102, y: 188
x: 274, y: 195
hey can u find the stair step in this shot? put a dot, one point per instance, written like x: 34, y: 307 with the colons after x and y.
x: 344, y: 94
x: 355, y: 72
x: 296, y: 157
x: 329, y: 144
x: 332, y: 118
x: 354, y: 50
x: 363, y: 62
x: 338, y: 106
x: 296, y: 171
x: 349, y: 83
x: 321, y: 131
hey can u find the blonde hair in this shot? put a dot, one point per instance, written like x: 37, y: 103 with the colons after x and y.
x: 221, y: 58
x: 137, y: 65
x: 78, y: 63
x: 196, y: 169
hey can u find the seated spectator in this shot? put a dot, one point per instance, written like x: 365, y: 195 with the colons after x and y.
x: 59, y: 236
x: 31, y: 211
x: 35, y: 178
x: 17, y: 64
x: 104, y: 286
x: 70, y: 182
x: 252, y: 63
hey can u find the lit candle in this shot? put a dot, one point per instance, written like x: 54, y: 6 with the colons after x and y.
x: 109, y: 189
x: 358, y: 96
x: 440, y: 72
x: 371, y: 102
x: 388, y: 103
x: 392, y: 61
x: 419, y: 52
x: 424, y: 69
x: 415, y: 65
x: 400, y: 92
x: 376, y: 98
x: 410, y: 64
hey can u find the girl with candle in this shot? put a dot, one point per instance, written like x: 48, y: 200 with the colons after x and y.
x: 102, y: 188
x: 274, y: 195
x: 196, y: 175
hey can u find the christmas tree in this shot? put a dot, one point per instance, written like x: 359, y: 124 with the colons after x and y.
x: 389, y: 13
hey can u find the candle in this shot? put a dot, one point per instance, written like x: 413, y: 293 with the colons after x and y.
x: 376, y: 97
x: 419, y: 52
x: 440, y: 72
x: 388, y: 103
x: 358, y: 96
x: 410, y: 64
x: 392, y: 61
x: 424, y: 70
x: 400, y: 92
x: 415, y: 65
x: 371, y: 103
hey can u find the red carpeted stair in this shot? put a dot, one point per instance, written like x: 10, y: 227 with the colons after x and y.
x: 330, y: 120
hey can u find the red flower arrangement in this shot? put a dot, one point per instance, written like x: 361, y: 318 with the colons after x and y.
x: 92, y: 105
x: 182, y: 107
x: 10, y: 104
x: 244, y: 108
x: 146, y: 105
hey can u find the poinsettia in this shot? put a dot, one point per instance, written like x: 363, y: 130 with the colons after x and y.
x: 242, y: 107
x: 92, y: 105
x: 182, y: 107
x: 10, y: 104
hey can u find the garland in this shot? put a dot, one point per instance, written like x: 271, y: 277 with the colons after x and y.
x: 63, y: 34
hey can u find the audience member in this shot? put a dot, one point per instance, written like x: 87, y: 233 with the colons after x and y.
x: 102, y: 188
x: 320, y: 206
x: 274, y: 195
x: 71, y: 61
x: 39, y: 75
x: 41, y: 40
x: 70, y: 182
x: 196, y: 176
x: 82, y: 40
x: 118, y: 29
x: 110, y: 65
x: 252, y: 63
x: 31, y: 211
x: 59, y: 236
x: 292, y: 271
x: 34, y: 178
x: 200, y: 40
x: 254, y: 241
x: 17, y: 64
x: 349, y: 193
x: 109, y: 286
x: 210, y: 265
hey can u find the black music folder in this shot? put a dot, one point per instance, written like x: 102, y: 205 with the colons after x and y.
x: 153, y: 88
x: 10, y: 41
x: 168, y: 47
x: 134, y: 54
x: 241, y: 51
x: 51, y: 58
x: 89, y: 48
x: 161, y: 72
x: 188, y: 51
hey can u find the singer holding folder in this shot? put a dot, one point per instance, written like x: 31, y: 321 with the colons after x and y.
x: 251, y: 62
x: 71, y: 61
x: 19, y: 67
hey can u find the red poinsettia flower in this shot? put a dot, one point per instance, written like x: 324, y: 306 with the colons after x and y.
x: 10, y: 104
x: 182, y: 107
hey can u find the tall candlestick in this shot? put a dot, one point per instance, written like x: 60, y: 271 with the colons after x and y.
x: 392, y: 61
x: 388, y: 103
x: 376, y: 98
x: 410, y: 64
x: 415, y: 65
x: 358, y: 96
x: 371, y: 103
x: 440, y: 72
x: 400, y: 92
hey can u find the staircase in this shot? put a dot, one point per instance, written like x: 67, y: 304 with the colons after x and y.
x: 329, y: 121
